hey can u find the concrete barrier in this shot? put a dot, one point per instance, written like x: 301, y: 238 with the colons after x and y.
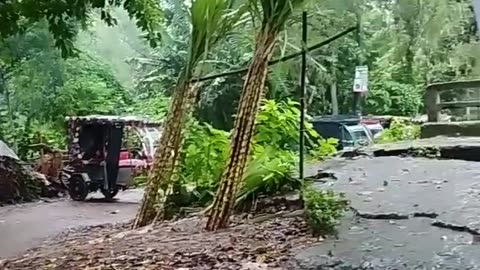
x: 450, y: 129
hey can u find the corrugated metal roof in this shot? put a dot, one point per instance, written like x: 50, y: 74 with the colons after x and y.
x: 113, y: 119
x: 6, y: 151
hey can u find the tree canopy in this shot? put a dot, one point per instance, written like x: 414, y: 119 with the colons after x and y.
x: 64, y: 17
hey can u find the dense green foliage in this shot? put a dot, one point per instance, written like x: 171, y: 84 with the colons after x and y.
x: 64, y: 17
x: 406, y: 44
x: 272, y: 165
x: 400, y: 130
x: 42, y: 88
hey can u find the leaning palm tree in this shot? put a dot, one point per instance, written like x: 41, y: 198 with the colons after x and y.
x: 210, y: 21
x: 274, y: 14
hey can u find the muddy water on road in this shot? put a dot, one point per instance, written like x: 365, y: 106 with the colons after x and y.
x: 25, y: 226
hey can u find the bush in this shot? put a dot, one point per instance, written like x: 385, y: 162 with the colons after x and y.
x: 273, y: 159
x: 268, y: 173
x: 278, y: 125
x: 203, y: 156
x: 324, y: 148
x: 323, y: 209
x: 400, y: 130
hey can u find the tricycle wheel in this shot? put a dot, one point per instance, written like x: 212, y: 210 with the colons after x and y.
x: 109, y: 194
x: 77, y: 188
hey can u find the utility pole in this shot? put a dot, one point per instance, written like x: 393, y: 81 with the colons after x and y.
x: 302, y: 94
x: 357, y: 96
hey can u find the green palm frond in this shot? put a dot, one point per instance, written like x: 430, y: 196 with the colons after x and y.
x: 275, y: 13
x: 210, y: 20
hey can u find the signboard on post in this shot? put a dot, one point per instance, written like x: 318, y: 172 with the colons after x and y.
x: 360, y: 83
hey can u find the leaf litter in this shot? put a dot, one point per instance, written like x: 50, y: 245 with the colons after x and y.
x: 181, y: 244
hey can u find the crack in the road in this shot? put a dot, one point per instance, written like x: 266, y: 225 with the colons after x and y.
x: 390, y: 216
x: 431, y: 215
x: 425, y: 214
x: 455, y: 227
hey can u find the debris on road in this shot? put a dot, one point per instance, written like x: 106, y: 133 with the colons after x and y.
x: 18, y: 182
x: 175, y: 245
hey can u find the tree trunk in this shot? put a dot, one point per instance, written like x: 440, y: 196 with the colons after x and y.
x: 8, y: 103
x: 166, y: 155
x: 333, y: 96
x: 243, y: 131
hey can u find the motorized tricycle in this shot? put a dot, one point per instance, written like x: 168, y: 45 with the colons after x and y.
x: 105, y: 151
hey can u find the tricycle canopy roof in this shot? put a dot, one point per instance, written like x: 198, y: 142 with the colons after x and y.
x: 112, y: 119
x: 338, y: 119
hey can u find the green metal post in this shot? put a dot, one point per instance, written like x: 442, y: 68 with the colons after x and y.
x: 357, y: 96
x: 302, y: 94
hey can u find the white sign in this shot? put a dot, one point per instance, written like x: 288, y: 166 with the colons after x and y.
x: 360, y: 83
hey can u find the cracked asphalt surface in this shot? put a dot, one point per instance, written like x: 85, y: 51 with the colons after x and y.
x: 385, y: 188
x: 25, y: 226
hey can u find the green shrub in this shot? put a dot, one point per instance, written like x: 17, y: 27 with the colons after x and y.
x: 277, y: 125
x: 324, y: 148
x: 274, y: 157
x: 400, y: 130
x: 323, y: 208
x: 268, y: 173
x: 203, y: 156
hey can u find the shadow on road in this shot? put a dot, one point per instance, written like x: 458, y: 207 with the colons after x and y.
x: 105, y: 200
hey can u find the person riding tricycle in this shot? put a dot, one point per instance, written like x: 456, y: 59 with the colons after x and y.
x: 100, y: 157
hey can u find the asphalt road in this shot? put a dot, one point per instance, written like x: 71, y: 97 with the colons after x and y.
x: 409, y: 214
x: 25, y: 226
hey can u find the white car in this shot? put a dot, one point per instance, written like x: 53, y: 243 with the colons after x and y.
x: 375, y: 129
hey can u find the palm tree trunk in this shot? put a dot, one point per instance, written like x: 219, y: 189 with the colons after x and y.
x: 243, y: 131
x: 166, y: 155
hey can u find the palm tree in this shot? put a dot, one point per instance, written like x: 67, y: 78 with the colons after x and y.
x: 274, y: 14
x: 211, y: 20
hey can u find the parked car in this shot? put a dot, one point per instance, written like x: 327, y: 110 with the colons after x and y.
x: 374, y: 127
x: 349, y: 130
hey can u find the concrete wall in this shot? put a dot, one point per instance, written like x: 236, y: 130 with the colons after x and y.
x: 450, y: 129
